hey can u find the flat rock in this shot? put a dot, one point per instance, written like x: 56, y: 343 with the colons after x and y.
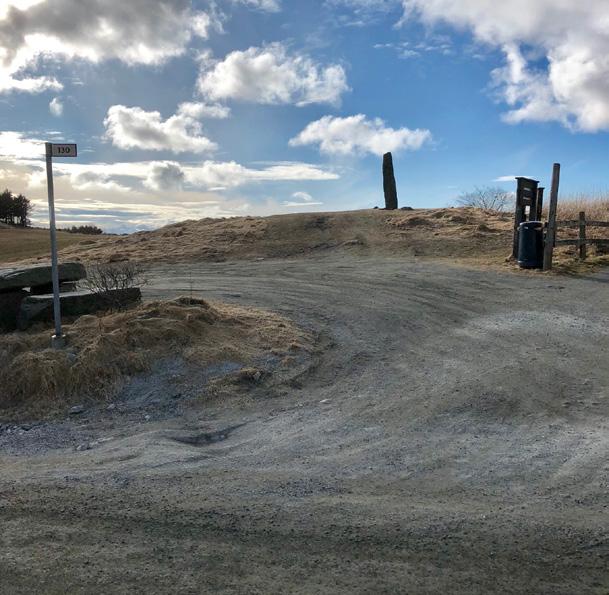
x: 39, y: 308
x: 39, y: 275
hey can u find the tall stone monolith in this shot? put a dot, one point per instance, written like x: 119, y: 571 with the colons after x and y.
x: 389, y: 187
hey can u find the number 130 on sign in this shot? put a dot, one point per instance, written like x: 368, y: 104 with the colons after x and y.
x: 64, y: 150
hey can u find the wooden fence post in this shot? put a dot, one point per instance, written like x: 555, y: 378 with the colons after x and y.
x: 389, y: 187
x: 548, y: 252
x: 539, y: 204
x: 582, y: 236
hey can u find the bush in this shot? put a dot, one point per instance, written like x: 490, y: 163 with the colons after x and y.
x: 103, y: 279
x: 122, y: 275
x: 489, y: 198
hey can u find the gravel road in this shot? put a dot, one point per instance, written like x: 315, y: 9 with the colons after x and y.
x: 452, y: 437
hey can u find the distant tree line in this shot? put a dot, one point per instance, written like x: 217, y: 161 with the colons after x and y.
x: 86, y: 229
x: 15, y: 209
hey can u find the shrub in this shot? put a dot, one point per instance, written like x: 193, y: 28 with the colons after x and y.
x: 489, y: 198
x: 102, y: 279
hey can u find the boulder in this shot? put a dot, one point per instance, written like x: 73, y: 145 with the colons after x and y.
x: 10, y: 303
x: 39, y: 308
x: 39, y: 275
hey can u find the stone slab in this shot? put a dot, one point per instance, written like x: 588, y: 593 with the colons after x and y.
x: 39, y: 308
x: 39, y: 274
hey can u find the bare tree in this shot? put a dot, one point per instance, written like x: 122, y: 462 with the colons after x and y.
x: 489, y: 198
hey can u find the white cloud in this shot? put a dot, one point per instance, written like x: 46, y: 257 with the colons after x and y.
x: 214, y: 175
x: 14, y: 145
x: 165, y: 175
x: 134, y: 128
x: 135, y: 32
x: 302, y: 196
x: 266, y: 5
x: 301, y: 199
x: 570, y: 85
x: 168, y: 176
x: 203, y: 110
x: 409, y: 49
x: 510, y: 178
x: 18, y: 151
x: 90, y: 180
x: 271, y: 75
x: 126, y: 196
x: 364, y: 7
x: 56, y: 107
x: 357, y: 134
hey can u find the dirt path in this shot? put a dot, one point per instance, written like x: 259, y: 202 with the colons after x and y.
x: 453, y: 438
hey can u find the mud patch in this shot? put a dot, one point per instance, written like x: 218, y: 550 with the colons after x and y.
x: 206, y: 438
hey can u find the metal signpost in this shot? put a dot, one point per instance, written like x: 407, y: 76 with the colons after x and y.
x: 56, y: 150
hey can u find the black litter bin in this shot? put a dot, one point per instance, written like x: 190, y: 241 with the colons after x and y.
x: 530, y: 245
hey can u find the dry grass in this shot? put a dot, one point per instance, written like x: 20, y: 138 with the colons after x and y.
x: 104, y: 351
x: 596, y: 206
x: 427, y: 233
x: 464, y: 235
x: 18, y: 244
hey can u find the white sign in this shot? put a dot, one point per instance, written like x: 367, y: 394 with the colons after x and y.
x: 63, y: 150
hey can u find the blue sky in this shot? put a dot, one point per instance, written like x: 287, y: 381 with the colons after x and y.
x: 189, y: 109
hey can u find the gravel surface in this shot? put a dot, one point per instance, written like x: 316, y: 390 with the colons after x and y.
x: 451, y: 437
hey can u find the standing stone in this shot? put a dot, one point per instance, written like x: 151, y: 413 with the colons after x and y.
x: 391, y: 193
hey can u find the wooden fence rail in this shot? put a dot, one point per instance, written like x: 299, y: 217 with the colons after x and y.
x: 530, y: 195
x: 582, y: 241
x: 588, y: 223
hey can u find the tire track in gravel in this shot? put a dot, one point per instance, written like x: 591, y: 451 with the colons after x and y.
x: 452, y: 438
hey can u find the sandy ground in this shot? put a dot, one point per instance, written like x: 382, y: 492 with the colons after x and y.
x: 452, y: 438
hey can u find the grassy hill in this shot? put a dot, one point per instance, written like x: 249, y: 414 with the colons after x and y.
x: 463, y: 234
x: 18, y: 244
x: 436, y: 233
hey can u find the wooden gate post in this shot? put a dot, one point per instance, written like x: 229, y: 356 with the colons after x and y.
x: 548, y: 251
x: 582, y: 236
x: 391, y: 193
x: 519, y: 216
x: 539, y: 204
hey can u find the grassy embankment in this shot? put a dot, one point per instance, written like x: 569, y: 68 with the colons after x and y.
x: 469, y: 235
x: 18, y: 244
